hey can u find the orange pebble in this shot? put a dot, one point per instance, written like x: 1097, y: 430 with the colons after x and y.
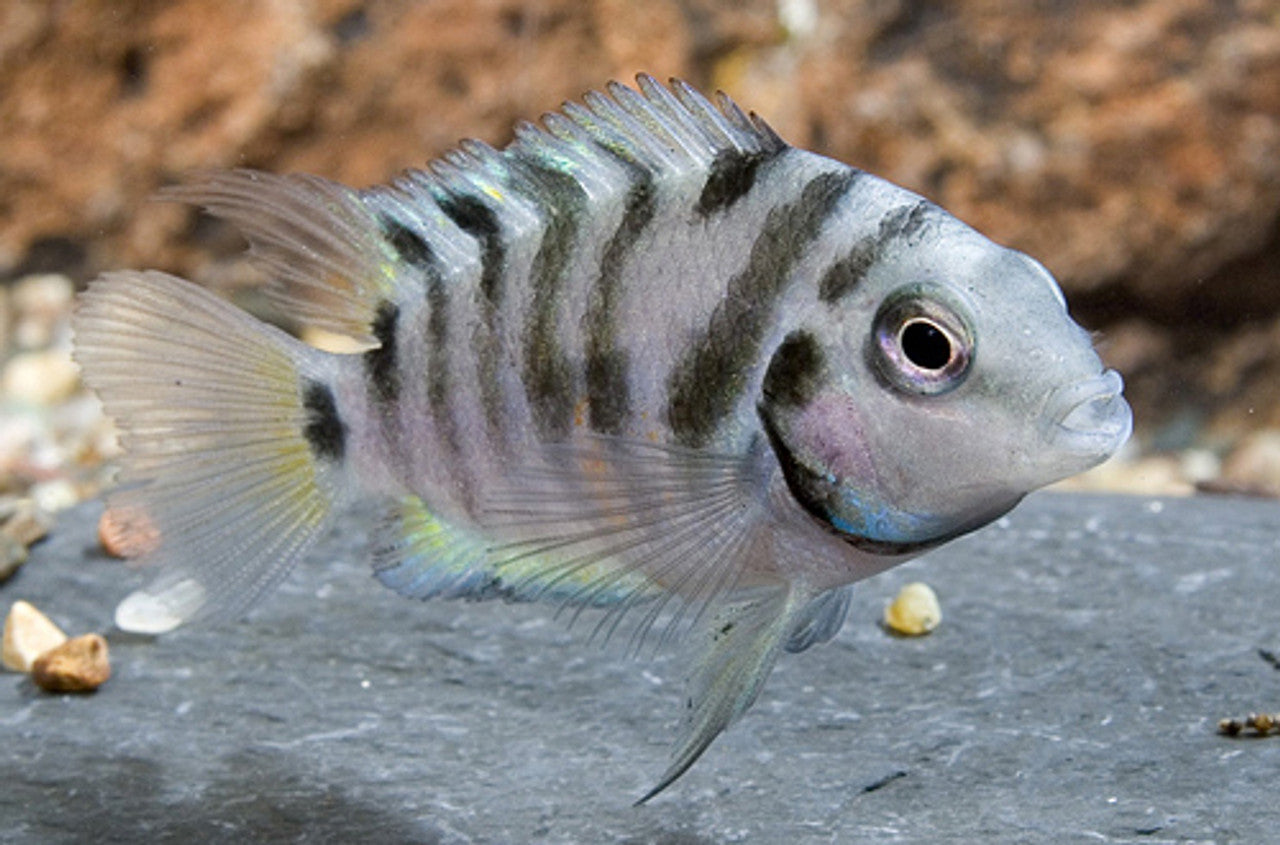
x: 127, y: 532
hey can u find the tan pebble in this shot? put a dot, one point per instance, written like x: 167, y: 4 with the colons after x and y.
x: 127, y: 532
x: 1254, y: 463
x: 78, y: 665
x: 40, y: 378
x: 40, y: 304
x: 914, y: 611
x: 1261, y: 722
x: 55, y: 495
x: 28, y: 633
x: 43, y: 294
x: 26, y: 522
x: 13, y: 553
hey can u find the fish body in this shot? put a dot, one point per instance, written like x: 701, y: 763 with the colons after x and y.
x: 649, y: 358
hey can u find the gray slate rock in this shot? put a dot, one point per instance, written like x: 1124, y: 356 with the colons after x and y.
x: 1088, y: 648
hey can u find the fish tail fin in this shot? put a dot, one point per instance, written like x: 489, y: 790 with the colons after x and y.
x: 233, y: 443
x: 743, y: 639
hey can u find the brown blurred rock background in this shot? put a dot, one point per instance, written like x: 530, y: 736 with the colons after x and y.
x: 1133, y: 147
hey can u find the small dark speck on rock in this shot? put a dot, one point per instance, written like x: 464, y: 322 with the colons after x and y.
x: 884, y: 781
x: 1270, y: 657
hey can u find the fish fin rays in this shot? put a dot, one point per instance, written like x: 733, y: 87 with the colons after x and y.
x: 612, y: 522
x: 335, y: 255
x: 819, y: 620
x: 740, y: 641
x: 604, y: 522
x: 329, y: 262
x: 664, y: 129
x: 217, y: 435
x: 421, y: 556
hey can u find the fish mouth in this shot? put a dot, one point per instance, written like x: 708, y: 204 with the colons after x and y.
x: 1091, y: 417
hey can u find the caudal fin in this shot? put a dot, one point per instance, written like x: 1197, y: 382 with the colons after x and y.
x: 232, y: 441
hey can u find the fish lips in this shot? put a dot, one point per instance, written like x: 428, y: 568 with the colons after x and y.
x: 1089, y: 419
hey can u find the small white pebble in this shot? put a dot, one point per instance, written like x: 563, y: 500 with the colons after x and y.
x: 331, y: 341
x: 28, y: 633
x: 43, y: 293
x: 56, y: 495
x: 40, y: 305
x: 915, y: 610
x: 40, y: 378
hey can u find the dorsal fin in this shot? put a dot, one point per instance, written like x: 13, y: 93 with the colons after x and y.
x: 317, y: 241
x: 335, y: 254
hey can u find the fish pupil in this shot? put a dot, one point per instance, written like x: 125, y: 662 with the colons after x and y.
x: 925, y: 345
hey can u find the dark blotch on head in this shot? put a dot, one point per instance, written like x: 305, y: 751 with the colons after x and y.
x: 380, y: 363
x: 795, y: 370
x: 843, y: 277
x: 325, y: 431
x: 408, y: 244
x: 906, y: 223
x: 711, y: 376
x: 732, y: 175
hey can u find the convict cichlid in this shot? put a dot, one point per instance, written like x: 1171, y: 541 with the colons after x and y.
x: 647, y: 358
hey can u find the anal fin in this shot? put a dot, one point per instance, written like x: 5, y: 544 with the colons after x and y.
x: 424, y: 556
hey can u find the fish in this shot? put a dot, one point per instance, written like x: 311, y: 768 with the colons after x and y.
x: 648, y: 362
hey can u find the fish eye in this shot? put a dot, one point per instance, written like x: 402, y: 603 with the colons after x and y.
x: 925, y: 344
x: 922, y: 344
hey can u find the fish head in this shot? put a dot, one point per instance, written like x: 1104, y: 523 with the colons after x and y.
x: 930, y: 400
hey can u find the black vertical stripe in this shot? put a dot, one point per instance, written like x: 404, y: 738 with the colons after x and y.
x: 712, y: 375
x: 324, y: 430
x: 381, y: 363
x: 730, y: 177
x: 410, y: 246
x: 478, y: 220
x: 548, y: 375
x: 843, y: 276
x: 440, y: 381
x: 608, y: 396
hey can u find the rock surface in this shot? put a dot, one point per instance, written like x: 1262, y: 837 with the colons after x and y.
x: 1091, y: 647
x: 1128, y: 145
